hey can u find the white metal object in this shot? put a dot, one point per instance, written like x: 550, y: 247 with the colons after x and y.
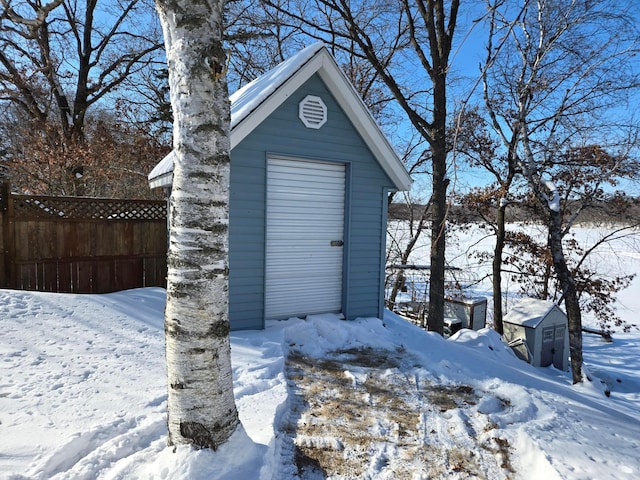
x: 305, y: 235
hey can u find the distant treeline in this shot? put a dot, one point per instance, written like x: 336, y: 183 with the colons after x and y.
x: 620, y: 210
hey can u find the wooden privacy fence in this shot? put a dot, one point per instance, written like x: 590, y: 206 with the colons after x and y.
x: 81, y: 245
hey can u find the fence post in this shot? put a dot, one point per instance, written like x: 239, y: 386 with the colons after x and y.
x: 8, y: 232
x: 3, y: 207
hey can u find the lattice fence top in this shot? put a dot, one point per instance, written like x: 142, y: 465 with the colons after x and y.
x: 63, y: 208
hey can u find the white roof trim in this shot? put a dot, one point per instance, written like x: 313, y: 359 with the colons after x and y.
x: 162, y: 173
x: 361, y: 117
x: 253, y: 103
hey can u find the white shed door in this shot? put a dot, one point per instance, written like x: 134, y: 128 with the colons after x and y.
x: 305, y: 233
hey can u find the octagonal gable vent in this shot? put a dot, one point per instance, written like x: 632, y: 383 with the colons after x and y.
x: 312, y: 112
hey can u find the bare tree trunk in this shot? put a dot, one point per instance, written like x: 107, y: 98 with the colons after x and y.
x: 550, y: 201
x: 497, y: 269
x: 569, y: 292
x: 440, y: 37
x: 397, y: 286
x: 201, y: 407
x: 435, y: 320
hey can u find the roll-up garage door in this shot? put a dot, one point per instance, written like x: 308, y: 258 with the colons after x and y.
x: 305, y: 233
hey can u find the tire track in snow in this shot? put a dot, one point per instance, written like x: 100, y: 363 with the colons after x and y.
x: 88, y: 452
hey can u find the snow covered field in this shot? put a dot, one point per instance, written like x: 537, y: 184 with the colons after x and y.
x: 83, y: 396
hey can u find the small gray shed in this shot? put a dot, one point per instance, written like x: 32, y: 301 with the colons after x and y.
x: 543, y: 332
x: 470, y: 312
x: 310, y: 175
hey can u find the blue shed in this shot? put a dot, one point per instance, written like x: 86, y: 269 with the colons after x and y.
x: 310, y: 175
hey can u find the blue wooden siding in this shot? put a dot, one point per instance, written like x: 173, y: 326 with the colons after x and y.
x: 284, y: 134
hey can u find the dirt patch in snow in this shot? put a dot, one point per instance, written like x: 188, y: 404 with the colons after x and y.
x: 366, y: 413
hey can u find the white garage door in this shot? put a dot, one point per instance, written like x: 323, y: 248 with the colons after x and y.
x: 305, y: 231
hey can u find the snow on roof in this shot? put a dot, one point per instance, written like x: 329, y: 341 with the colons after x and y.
x: 247, y: 99
x: 254, y: 102
x: 162, y: 173
x: 243, y: 102
x: 529, y: 312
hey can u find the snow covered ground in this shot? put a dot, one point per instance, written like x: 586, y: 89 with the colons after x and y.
x: 83, y: 396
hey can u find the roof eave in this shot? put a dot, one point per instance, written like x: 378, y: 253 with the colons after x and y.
x: 165, y: 180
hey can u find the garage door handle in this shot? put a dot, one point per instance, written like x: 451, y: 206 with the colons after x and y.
x: 337, y: 243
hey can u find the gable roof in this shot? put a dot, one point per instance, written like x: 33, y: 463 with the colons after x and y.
x: 529, y: 312
x: 254, y: 102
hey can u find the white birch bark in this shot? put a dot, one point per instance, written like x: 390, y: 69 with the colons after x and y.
x: 201, y: 407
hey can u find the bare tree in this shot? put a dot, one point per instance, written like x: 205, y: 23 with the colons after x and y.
x: 475, y: 142
x: 201, y: 406
x: 562, y: 67
x: 60, y: 59
x: 258, y: 38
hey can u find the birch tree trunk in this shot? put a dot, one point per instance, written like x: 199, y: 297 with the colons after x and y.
x: 201, y: 407
x: 569, y: 292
